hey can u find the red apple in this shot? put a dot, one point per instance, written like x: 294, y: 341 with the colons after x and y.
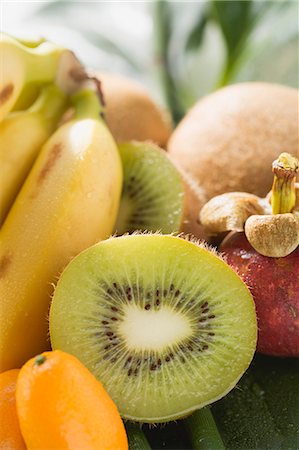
x: 274, y: 284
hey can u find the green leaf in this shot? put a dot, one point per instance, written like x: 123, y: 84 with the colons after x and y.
x: 202, y: 430
x: 234, y: 19
x: 136, y: 437
x: 163, y: 23
x: 262, y: 411
x: 195, y: 37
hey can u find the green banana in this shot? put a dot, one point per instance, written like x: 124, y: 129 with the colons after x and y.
x: 22, y: 134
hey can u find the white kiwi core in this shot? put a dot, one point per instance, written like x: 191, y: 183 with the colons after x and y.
x: 153, y: 330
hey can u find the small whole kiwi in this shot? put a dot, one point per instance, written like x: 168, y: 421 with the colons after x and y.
x: 229, y: 139
x: 131, y: 113
x: 194, y: 200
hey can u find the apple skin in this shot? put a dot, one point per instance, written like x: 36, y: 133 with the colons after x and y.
x: 274, y: 285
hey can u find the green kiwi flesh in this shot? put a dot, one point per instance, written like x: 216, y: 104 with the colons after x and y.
x: 164, y: 324
x: 153, y: 194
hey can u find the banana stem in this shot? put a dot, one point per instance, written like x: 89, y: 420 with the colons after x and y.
x: 50, y: 104
x: 87, y: 104
x: 283, y: 198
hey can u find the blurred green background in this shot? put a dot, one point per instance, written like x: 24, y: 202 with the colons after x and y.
x: 179, y: 50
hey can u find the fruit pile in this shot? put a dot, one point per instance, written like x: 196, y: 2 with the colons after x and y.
x: 109, y: 309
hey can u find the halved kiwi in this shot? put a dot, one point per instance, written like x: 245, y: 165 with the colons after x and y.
x: 153, y: 193
x: 163, y: 323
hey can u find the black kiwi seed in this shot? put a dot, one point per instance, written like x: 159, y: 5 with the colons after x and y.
x: 193, y: 345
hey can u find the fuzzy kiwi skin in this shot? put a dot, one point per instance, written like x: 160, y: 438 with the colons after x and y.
x: 194, y: 200
x: 229, y: 139
x: 74, y: 318
x: 131, y: 113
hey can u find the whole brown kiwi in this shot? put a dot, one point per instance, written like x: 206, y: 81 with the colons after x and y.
x: 229, y: 139
x: 131, y: 113
x: 194, y: 200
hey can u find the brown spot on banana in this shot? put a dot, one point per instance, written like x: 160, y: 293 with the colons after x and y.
x: 5, y: 262
x: 6, y: 93
x: 54, y: 155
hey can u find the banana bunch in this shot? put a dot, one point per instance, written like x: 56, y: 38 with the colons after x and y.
x: 61, y: 183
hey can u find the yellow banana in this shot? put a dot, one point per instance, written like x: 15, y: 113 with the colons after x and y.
x: 21, y: 135
x: 21, y: 65
x: 68, y: 202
